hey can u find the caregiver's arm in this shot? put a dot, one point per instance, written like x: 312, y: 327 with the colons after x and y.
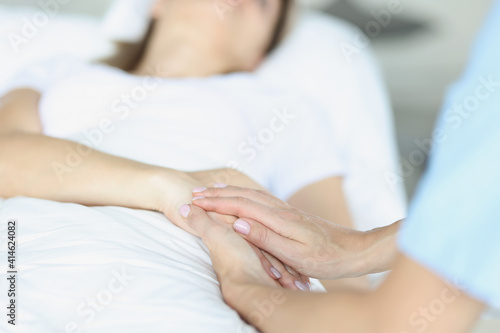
x: 412, y: 299
x: 38, y: 166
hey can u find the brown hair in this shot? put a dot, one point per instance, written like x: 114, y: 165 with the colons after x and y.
x: 128, y: 55
x: 279, y: 28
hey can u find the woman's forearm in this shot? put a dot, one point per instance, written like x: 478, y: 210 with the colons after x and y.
x: 225, y: 176
x: 34, y: 165
x: 38, y: 166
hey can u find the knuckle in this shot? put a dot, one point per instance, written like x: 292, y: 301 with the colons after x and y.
x: 261, y: 237
x: 215, y: 192
x: 241, y: 200
x: 241, y: 204
x: 261, y: 192
x: 287, y: 279
x: 288, y: 215
x: 248, y: 193
x: 195, y: 213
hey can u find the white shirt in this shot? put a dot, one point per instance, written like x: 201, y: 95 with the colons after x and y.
x: 187, y: 124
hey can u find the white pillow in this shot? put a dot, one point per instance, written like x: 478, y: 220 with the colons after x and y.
x: 30, y: 34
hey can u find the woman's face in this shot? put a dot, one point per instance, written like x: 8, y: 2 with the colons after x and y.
x: 238, y: 31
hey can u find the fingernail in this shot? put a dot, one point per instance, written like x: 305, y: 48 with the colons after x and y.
x: 301, y: 286
x: 220, y: 185
x: 198, y: 198
x: 241, y: 226
x: 309, y: 286
x: 199, y: 189
x: 185, y: 209
x: 276, y: 273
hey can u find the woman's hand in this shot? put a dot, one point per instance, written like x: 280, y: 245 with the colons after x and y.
x: 235, y: 262
x: 171, y: 189
x: 174, y: 189
x: 311, y: 245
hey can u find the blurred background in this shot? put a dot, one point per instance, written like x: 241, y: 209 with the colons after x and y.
x: 421, y: 51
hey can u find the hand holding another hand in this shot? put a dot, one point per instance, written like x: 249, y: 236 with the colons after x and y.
x: 235, y: 260
x: 176, y: 188
x: 311, y: 245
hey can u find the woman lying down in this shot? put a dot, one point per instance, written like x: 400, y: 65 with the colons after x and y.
x: 98, y: 159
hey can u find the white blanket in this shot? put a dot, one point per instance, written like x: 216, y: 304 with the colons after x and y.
x: 110, y: 269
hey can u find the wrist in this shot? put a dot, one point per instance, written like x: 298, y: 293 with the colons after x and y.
x: 357, y: 246
x: 380, y: 248
x: 140, y: 189
x: 169, y: 189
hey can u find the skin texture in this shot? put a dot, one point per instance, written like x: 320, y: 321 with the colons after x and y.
x: 402, y: 304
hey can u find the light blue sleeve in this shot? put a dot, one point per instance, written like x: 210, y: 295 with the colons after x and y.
x: 453, y: 226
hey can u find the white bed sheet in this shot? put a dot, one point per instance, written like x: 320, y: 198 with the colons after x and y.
x: 110, y: 269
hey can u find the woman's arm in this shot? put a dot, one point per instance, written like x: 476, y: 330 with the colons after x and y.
x: 325, y: 199
x: 38, y: 166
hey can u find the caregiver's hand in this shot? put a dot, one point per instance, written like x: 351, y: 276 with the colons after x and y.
x: 235, y: 259
x: 311, y: 245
